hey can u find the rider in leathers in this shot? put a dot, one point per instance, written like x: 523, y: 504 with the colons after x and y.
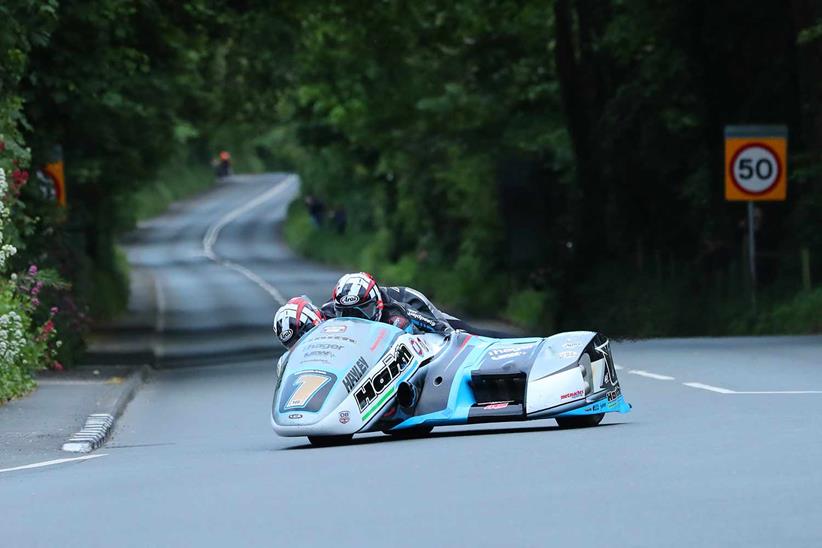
x: 358, y: 295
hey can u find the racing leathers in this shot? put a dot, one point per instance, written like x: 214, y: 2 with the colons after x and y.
x: 407, y: 309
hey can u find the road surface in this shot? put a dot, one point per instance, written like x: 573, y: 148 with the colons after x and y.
x: 723, y: 448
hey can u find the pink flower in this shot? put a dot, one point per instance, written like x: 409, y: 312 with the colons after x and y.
x: 19, y: 178
x: 48, y: 327
x: 57, y: 366
x: 54, y: 310
x: 33, y: 270
x: 35, y: 302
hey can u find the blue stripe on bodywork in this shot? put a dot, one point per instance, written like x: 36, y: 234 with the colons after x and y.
x: 461, y: 397
x: 619, y: 405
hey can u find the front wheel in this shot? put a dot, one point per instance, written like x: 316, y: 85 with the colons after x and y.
x: 327, y: 441
x: 579, y: 421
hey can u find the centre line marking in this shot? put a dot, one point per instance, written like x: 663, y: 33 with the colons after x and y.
x: 213, y: 232
x: 709, y: 387
x: 780, y: 392
x: 51, y: 463
x: 642, y: 373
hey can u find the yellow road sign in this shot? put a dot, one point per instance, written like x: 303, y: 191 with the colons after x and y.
x: 756, y: 167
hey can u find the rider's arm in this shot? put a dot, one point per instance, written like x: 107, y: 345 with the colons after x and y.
x: 427, y: 323
x: 328, y: 310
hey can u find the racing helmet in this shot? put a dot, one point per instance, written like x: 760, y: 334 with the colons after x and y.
x: 357, y: 295
x: 296, y: 318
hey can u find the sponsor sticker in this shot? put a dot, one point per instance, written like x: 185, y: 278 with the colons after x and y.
x: 576, y: 394
x: 355, y: 374
x: 509, y: 352
x: 285, y: 335
x: 295, y: 416
x: 345, y: 417
x: 614, y: 394
x: 419, y: 346
x: 335, y: 329
x: 348, y: 300
x: 496, y: 405
x: 571, y: 344
x: 324, y: 346
x: 567, y: 354
x: 393, y: 365
x: 414, y: 315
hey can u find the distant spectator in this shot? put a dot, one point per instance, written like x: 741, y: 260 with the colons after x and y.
x: 339, y: 219
x: 222, y: 164
x: 316, y: 209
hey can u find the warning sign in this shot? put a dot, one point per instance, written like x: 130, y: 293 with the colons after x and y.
x: 756, y: 163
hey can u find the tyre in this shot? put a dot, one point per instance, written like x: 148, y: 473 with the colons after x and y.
x: 408, y: 433
x: 327, y: 441
x: 579, y: 421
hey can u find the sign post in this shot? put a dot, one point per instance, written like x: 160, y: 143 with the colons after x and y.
x: 755, y: 171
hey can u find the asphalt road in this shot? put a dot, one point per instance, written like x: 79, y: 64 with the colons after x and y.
x: 193, y: 461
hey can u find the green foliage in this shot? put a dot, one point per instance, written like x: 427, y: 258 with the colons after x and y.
x: 802, y: 314
x: 569, y: 149
x: 557, y: 162
x: 529, y: 308
x: 179, y: 178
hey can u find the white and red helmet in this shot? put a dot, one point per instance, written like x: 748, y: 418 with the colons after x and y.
x: 296, y: 318
x: 357, y: 295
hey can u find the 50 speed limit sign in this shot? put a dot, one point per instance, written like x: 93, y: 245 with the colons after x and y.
x: 755, y: 162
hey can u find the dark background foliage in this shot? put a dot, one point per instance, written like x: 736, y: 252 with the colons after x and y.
x: 558, y: 163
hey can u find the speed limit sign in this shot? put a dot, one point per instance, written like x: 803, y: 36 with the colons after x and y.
x: 755, y: 167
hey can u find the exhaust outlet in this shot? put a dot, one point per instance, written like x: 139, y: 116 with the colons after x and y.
x: 406, y: 394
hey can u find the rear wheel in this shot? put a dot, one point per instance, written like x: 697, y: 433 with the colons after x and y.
x: 327, y: 441
x: 579, y: 421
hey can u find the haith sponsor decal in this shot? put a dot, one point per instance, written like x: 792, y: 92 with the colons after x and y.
x: 577, y: 394
x: 373, y: 387
x: 353, y: 377
x: 507, y: 352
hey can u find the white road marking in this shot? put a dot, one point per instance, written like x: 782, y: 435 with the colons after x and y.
x: 780, y: 392
x: 213, y: 232
x: 160, y: 301
x: 51, y: 463
x: 709, y: 387
x: 159, y: 314
x: 642, y: 373
x: 619, y: 367
x: 720, y: 390
x: 257, y: 280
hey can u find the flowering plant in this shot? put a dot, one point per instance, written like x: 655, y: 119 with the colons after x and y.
x: 25, y: 345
